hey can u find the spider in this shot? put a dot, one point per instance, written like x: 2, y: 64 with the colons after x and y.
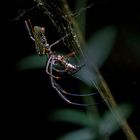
x: 57, y: 63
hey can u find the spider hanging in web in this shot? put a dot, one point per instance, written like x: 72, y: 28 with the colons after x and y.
x: 56, y: 63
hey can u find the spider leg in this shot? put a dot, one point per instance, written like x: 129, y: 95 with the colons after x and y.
x: 50, y: 64
x: 78, y: 68
x: 53, y: 85
x: 61, y: 39
x: 29, y: 30
x: 70, y: 55
x: 62, y: 92
x: 60, y: 71
x: 73, y: 94
x: 59, y: 91
x: 51, y: 61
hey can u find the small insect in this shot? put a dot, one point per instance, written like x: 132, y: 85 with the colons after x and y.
x: 56, y: 63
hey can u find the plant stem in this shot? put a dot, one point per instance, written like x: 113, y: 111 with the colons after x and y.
x: 103, y: 87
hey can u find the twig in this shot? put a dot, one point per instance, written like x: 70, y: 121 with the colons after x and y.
x: 103, y: 87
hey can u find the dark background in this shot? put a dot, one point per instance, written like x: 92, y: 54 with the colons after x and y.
x: 27, y: 96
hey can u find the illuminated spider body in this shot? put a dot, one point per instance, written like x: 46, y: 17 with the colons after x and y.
x: 56, y: 63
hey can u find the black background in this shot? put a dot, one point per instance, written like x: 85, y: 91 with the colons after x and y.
x: 27, y: 96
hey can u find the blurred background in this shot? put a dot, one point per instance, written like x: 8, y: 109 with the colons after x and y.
x: 27, y: 96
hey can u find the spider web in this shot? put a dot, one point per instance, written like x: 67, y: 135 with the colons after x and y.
x: 62, y: 23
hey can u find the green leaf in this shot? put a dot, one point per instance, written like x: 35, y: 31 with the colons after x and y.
x: 71, y: 116
x: 31, y: 62
x: 100, y: 45
x: 81, y: 134
x: 109, y: 124
x: 96, y: 52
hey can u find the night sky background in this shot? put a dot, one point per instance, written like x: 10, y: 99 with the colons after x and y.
x: 27, y: 96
